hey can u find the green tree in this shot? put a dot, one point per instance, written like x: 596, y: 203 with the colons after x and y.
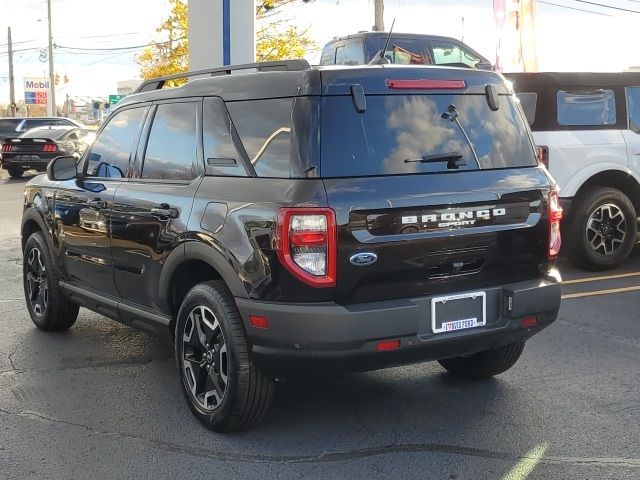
x: 275, y: 39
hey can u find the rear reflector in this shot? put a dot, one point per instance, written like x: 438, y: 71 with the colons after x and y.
x: 258, y: 321
x: 529, y: 322
x: 426, y: 84
x: 388, y: 345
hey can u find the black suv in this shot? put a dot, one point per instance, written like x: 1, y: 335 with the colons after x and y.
x: 298, y: 218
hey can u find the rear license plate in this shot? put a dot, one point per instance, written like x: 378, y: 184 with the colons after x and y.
x: 458, y: 312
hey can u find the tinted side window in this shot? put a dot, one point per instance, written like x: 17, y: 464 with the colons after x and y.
x: 264, y: 127
x: 586, y: 107
x: 341, y: 55
x: 355, y: 52
x: 29, y: 124
x: 172, y: 147
x: 528, y: 102
x: 109, y: 155
x: 327, y: 55
x: 447, y: 52
x: 220, y: 153
x: 633, y: 107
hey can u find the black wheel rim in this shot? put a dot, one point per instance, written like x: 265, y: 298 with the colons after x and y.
x: 37, y: 286
x: 606, y: 229
x: 204, y: 358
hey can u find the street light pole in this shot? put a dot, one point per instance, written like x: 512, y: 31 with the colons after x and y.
x: 12, y: 88
x: 379, y: 16
x: 52, y: 110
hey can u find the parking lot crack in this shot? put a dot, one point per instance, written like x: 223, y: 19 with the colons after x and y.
x: 334, y: 457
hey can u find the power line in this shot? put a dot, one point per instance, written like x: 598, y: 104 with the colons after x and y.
x: 608, y: 6
x: 100, y: 36
x: 113, y: 49
x: 574, y: 8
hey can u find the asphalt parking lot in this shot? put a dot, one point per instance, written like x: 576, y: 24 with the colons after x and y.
x: 103, y: 401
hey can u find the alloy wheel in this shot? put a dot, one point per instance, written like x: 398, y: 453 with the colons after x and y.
x: 38, y: 288
x: 606, y: 229
x: 204, y: 358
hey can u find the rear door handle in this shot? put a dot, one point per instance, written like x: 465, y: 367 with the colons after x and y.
x: 97, y: 204
x: 165, y: 211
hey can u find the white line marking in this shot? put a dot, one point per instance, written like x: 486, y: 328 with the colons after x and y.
x: 601, y: 292
x: 604, y: 277
x: 527, y: 464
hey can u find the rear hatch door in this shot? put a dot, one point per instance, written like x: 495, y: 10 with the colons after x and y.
x: 442, y: 189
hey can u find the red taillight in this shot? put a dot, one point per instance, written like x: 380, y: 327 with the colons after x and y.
x: 555, y: 216
x: 529, y: 322
x: 388, y: 345
x: 542, y: 154
x: 307, y: 244
x: 50, y: 148
x: 6, y: 147
x: 426, y: 84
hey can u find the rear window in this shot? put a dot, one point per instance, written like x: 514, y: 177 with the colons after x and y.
x: 397, y: 133
x: 8, y: 125
x: 404, y: 51
x: 45, y: 133
x: 586, y: 107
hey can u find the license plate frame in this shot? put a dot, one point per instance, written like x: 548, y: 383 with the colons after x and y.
x: 457, y: 324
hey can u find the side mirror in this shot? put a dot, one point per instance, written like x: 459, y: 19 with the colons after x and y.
x: 62, y: 168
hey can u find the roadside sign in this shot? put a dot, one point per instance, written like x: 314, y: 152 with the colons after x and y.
x: 36, y: 90
x: 113, y: 99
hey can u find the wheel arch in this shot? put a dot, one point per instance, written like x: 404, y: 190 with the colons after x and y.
x: 192, y: 263
x: 622, y: 180
x: 32, y: 222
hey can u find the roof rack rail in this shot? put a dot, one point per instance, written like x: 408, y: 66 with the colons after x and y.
x: 280, y: 65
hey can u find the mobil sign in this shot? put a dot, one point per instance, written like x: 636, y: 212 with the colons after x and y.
x: 36, y: 90
x: 35, y: 84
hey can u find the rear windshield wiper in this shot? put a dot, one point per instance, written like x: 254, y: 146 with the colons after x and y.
x: 453, y: 159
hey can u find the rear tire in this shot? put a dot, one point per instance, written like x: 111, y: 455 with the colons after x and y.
x: 484, y: 364
x: 15, y: 172
x: 601, y: 230
x: 222, y: 385
x: 50, y: 310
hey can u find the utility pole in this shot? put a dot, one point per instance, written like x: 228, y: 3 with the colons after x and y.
x: 52, y: 86
x: 12, y: 87
x: 379, y: 16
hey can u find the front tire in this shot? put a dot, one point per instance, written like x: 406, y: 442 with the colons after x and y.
x: 484, y: 364
x: 15, y: 172
x: 50, y: 310
x: 222, y: 385
x: 602, y: 229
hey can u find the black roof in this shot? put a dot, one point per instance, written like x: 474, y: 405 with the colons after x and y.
x: 328, y: 80
x: 547, y: 80
x: 393, y: 35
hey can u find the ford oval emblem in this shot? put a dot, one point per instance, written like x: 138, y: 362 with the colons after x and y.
x: 362, y: 259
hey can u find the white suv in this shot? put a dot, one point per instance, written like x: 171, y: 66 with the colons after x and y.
x: 587, y: 127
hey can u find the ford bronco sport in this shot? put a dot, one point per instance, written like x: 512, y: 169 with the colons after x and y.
x: 298, y: 218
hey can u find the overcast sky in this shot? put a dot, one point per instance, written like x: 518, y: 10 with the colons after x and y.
x: 567, y: 39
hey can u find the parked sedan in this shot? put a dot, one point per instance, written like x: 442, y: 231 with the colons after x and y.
x: 35, y: 148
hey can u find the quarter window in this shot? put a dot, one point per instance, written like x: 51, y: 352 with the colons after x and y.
x: 220, y: 152
x: 172, y: 147
x: 586, y: 107
x: 264, y: 127
x: 446, y: 52
x: 528, y: 102
x: 633, y: 107
x: 109, y: 155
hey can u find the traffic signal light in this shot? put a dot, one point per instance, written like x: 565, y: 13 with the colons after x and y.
x: 66, y: 79
x: 56, y: 80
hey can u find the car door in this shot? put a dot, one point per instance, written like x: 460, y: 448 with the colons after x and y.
x: 83, y: 205
x: 632, y: 133
x: 151, y: 211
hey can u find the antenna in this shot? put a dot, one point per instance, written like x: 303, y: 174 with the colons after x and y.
x: 386, y: 44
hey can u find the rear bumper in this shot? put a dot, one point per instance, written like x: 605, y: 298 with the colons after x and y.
x: 344, y: 338
x: 36, y: 162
